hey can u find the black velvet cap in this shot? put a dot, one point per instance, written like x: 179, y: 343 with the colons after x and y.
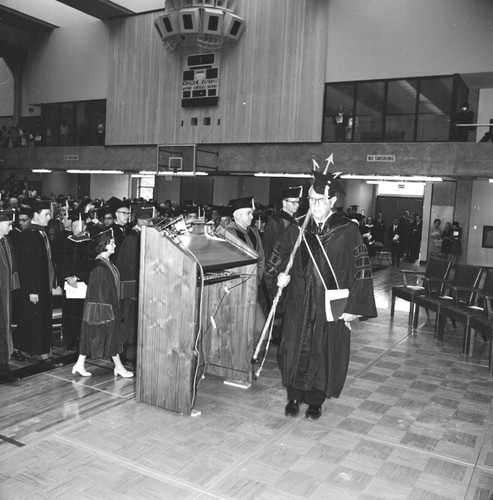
x: 238, y: 203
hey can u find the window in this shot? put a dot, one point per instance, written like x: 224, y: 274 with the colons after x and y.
x: 406, y: 109
x: 73, y: 123
x: 145, y: 187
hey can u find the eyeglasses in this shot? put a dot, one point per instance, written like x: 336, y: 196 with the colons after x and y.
x: 294, y: 202
x: 316, y: 201
x: 124, y: 213
x: 109, y: 218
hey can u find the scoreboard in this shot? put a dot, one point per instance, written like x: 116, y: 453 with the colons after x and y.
x: 200, y: 86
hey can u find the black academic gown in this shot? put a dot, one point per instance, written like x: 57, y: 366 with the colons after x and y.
x: 128, y: 262
x: 74, y: 256
x: 100, y: 332
x: 314, y: 354
x: 36, y: 275
x: 8, y: 283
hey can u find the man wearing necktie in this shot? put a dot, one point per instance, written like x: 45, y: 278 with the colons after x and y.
x: 395, y: 234
x: 37, y: 284
x: 314, y: 352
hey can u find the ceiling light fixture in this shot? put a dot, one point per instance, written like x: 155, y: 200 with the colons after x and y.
x: 80, y: 171
x: 282, y: 174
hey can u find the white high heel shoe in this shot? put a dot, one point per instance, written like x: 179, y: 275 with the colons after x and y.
x: 81, y: 371
x: 122, y: 372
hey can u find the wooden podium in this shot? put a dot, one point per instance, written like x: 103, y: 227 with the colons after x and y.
x: 187, y: 325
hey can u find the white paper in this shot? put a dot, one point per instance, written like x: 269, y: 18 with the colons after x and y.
x: 78, y: 292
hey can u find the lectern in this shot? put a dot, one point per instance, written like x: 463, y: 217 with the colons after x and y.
x: 196, y: 314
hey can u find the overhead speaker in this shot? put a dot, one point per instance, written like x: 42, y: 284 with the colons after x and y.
x: 233, y: 26
x: 212, y: 21
x: 168, y: 25
x: 189, y: 20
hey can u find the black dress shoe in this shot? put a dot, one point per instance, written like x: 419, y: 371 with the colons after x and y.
x: 8, y: 378
x: 18, y: 356
x: 313, y: 412
x: 292, y: 408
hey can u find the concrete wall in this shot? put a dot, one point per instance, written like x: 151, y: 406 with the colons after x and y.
x: 374, y: 39
x: 68, y: 64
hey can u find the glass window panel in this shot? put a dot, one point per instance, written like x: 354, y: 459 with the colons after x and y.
x: 401, y: 110
x: 435, y: 101
x: 66, y: 125
x: 50, y: 120
x: 369, y: 110
x: 338, y: 105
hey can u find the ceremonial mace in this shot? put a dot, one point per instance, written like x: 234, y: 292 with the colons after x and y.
x: 269, y: 322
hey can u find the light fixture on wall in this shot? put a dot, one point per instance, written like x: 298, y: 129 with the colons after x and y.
x: 282, y: 174
x: 41, y: 171
x: 395, y: 178
x: 148, y: 173
x: 89, y: 171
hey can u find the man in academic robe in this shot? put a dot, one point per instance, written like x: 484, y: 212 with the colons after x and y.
x: 128, y: 264
x: 314, y: 353
x: 8, y: 282
x: 241, y: 226
x: 274, y: 229
x: 74, y: 260
x: 278, y: 222
x: 121, y: 225
x: 37, y: 284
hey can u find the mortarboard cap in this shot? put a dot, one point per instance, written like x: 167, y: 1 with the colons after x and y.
x: 293, y: 192
x: 38, y: 205
x: 23, y: 210
x: 144, y: 213
x: 225, y: 211
x: 7, y: 215
x: 239, y: 203
x: 102, y: 238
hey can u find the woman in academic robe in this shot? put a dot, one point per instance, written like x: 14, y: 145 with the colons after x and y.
x: 100, y: 332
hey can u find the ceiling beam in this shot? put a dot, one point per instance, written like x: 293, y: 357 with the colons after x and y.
x: 23, y: 22
x: 100, y: 9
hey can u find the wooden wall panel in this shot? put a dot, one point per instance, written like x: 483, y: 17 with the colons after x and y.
x: 271, y: 81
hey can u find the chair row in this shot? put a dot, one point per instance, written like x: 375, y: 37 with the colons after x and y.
x: 465, y: 299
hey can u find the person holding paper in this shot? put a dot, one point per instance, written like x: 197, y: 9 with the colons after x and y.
x: 100, y: 332
x: 73, y: 260
x: 314, y: 352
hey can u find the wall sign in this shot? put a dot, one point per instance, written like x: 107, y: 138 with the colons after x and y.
x: 388, y: 158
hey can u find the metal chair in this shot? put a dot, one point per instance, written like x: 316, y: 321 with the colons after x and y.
x: 436, y: 268
x: 381, y: 252
x: 465, y: 276
x: 462, y: 310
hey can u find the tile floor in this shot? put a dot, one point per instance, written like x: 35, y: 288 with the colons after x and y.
x: 415, y: 421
